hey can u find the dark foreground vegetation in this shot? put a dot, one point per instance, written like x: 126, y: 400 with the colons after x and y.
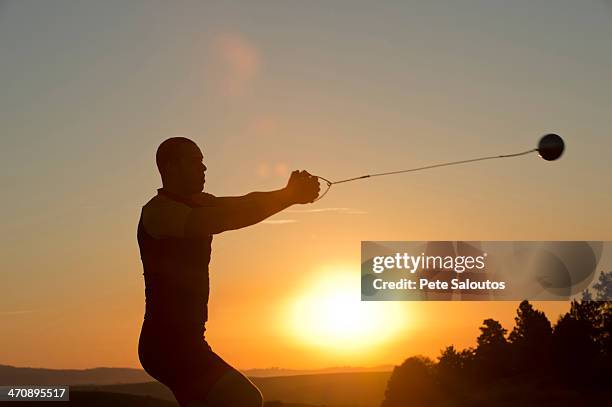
x: 537, y: 363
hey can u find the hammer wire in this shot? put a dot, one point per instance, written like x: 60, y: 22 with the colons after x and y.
x: 427, y: 167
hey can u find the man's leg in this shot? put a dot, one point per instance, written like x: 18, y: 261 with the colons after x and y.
x: 201, y: 378
x: 232, y: 389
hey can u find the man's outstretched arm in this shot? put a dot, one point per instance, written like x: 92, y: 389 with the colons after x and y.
x: 229, y: 213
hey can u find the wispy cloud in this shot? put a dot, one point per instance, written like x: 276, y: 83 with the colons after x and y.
x: 347, y: 211
x: 279, y: 221
x: 18, y: 312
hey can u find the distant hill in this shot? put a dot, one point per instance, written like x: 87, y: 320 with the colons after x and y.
x: 153, y: 389
x: 361, y: 389
x: 98, y: 399
x: 276, y: 371
x: 101, y: 375
x: 358, y: 389
x: 112, y: 375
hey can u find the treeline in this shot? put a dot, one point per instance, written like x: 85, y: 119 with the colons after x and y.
x: 536, y: 363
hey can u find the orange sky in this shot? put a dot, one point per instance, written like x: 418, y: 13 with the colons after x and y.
x: 92, y: 89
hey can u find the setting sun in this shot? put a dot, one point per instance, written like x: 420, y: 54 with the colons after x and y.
x: 330, y: 314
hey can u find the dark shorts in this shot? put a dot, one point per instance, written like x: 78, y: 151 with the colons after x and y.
x: 181, y: 359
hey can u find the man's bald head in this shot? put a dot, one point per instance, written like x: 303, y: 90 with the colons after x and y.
x: 179, y: 161
x: 171, y: 150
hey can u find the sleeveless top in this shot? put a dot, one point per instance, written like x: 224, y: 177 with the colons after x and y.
x: 175, y: 267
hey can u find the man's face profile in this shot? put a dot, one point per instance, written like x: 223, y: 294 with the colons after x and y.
x: 180, y: 164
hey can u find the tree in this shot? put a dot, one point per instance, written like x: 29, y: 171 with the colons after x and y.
x: 583, y: 336
x: 531, y: 338
x: 491, y: 354
x: 603, y: 294
x: 492, y: 334
x: 412, y: 384
x: 450, y: 360
x: 574, y: 350
x: 455, y: 373
x: 603, y: 287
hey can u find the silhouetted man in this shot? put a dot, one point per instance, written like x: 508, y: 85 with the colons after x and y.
x: 174, y: 235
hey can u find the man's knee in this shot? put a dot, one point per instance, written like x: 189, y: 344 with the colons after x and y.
x: 247, y: 395
x: 236, y: 390
x: 254, y: 398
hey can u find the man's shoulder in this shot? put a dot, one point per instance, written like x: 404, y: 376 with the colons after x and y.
x: 162, y: 203
x: 204, y: 199
x: 164, y: 217
x: 159, y: 200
